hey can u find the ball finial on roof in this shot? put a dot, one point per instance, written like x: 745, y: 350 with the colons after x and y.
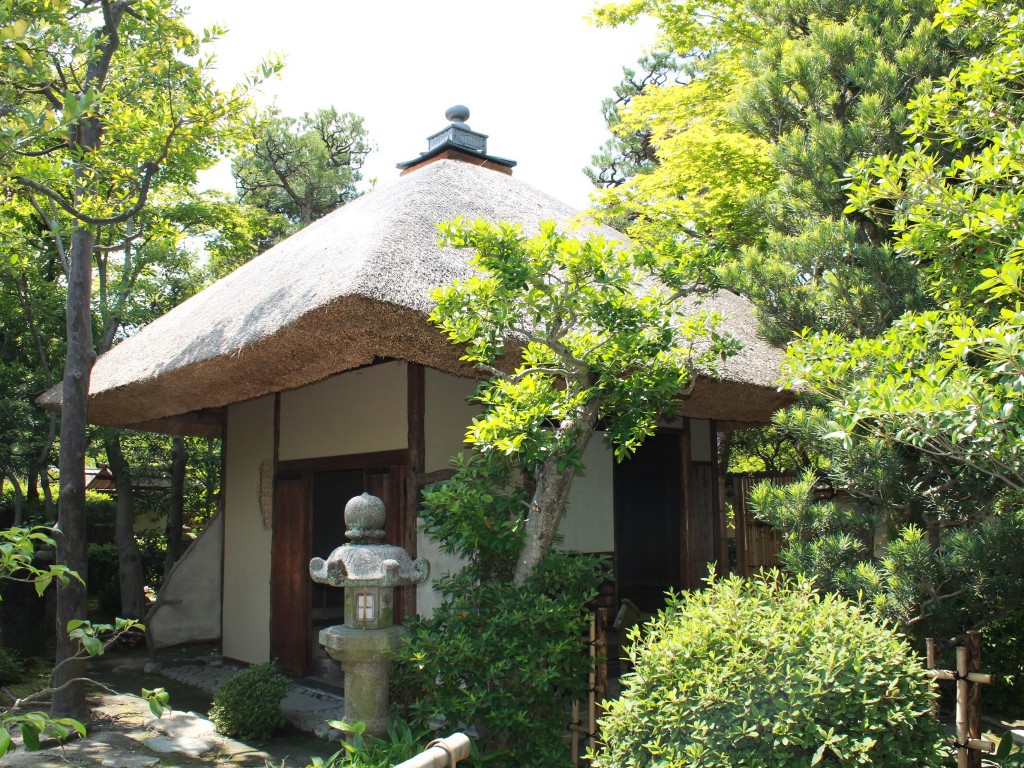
x: 457, y: 114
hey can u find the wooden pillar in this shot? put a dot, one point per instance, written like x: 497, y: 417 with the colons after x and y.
x: 687, y: 555
x: 739, y: 511
x: 416, y: 396
x: 718, y: 506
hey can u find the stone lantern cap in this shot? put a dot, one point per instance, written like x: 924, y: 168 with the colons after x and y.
x: 367, y: 561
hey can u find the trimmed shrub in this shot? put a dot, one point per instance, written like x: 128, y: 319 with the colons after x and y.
x: 769, y: 672
x: 247, y: 705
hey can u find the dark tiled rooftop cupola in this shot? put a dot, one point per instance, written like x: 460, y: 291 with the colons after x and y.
x: 457, y: 141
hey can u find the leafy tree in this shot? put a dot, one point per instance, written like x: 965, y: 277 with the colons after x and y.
x: 303, y: 168
x: 944, y: 385
x: 573, y: 334
x: 30, y: 349
x: 607, y: 340
x: 102, y: 101
x: 753, y: 145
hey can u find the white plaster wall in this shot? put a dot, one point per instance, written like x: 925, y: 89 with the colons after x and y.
x: 700, y: 440
x: 589, y: 522
x: 189, y: 609
x: 359, y: 411
x: 246, y: 610
x: 446, y: 415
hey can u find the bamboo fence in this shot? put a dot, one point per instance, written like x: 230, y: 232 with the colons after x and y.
x: 968, y: 678
x: 583, y: 725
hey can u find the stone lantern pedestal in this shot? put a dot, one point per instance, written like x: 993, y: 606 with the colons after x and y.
x: 369, y: 570
x: 365, y: 657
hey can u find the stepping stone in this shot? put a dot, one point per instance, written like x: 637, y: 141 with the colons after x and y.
x: 129, y: 760
x: 185, y: 745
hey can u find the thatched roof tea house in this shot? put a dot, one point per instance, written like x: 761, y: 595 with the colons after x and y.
x: 315, y: 361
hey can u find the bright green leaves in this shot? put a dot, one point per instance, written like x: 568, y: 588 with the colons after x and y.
x: 156, y: 103
x: 590, y: 322
x: 766, y: 671
x: 18, y: 548
x: 159, y: 700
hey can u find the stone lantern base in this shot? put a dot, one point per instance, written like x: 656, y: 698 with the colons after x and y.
x: 365, y: 656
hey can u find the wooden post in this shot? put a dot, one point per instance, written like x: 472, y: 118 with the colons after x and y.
x: 416, y: 399
x: 687, y: 555
x: 974, y: 696
x: 739, y: 511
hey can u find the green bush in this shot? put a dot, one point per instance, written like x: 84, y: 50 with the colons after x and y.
x: 248, y: 704
x: 504, y: 659
x: 769, y: 672
x: 361, y: 750
x: 12, y: 667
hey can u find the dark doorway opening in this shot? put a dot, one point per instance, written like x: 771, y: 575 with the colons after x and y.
x: 648, y: 522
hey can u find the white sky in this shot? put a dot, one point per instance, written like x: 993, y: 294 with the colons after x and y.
x: 532, y: 72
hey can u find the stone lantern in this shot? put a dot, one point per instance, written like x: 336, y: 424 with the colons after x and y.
x: 369, y: 570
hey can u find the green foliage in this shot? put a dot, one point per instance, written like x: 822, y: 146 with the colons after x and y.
x: 361, y: 750
x: 17, y: 558
x: 1009, y: 754
x: 248, y: 704
x: 12, y: 666
x: 605, y: 324
x: 478, y: 515
x: 502, y: 658
x: 769, y: 672
x: 302, y: 169
x: 1003, y: 654
x: 751, y: 139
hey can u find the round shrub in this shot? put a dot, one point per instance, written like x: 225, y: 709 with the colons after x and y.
x: 248, y: 704
x: 769, y: 672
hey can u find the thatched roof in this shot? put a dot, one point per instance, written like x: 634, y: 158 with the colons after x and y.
x: 348, y: 290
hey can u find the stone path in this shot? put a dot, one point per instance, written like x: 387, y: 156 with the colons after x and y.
x: 124, y: 734
x: 306, y: 708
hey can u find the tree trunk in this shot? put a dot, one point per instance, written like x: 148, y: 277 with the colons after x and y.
x: 547, y: 507
x: 133, y: 602
x: 69, y: 698
x: 176, y: 509
x: 32, y: 486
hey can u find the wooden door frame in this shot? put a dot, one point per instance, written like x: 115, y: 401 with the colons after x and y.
x: 305, y: 469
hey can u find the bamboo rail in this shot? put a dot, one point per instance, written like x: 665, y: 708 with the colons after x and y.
x: 441, y: 753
